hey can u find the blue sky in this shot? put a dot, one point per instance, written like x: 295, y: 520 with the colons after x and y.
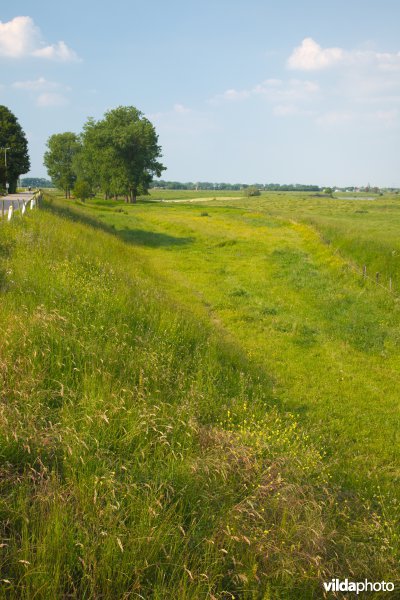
x: 266, y: 91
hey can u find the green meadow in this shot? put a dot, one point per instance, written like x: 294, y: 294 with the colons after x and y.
x: 199, y: 396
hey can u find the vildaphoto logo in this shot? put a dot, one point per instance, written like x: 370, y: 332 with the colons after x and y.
x: 338, y: 585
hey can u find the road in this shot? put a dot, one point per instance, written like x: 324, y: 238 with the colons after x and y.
x: 12, y: 199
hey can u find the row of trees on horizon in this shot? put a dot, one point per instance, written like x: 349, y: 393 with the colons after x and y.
x: 160, y: 184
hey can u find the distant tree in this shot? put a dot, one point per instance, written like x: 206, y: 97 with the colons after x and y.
x: 251, y: 190
x: 36, y: 182
x: 121, y: 152
x: 13, y: 138
x: 328, y: 191
x: 82, y: 190
x: 59, y: 159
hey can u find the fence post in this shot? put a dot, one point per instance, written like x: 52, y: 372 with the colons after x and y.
x: 390, y: 284
x: 10, y: 212
x: 377, y: 278
x: 364, y: 271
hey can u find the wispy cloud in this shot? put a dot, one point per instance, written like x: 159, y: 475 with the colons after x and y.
x: 35, y: 85
x: 182, y: 120
x: 48, y: 93
x: 21, y: 38
x: 49, y: 99
x: 343, y: 119
x: 287, y: 97
x: 181, y: 109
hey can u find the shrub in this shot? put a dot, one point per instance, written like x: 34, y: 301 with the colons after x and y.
x: 82, y: 190
x: 252, y: 190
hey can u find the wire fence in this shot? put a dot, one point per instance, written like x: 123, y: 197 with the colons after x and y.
x: 376, y: 278
x: 385, y: 281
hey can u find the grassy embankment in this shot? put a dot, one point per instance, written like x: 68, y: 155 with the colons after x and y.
x: 147, y: 366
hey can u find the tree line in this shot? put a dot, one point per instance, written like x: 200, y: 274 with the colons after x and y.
x: 117, y: 155
x: 207, y: 185
x: 36, y: 182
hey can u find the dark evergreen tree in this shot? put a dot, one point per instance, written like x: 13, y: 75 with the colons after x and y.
x: 14, y: 158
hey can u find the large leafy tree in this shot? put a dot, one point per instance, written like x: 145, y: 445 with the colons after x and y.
x: 60, y: 158
x: 120, y: 153
x: 13, y: 138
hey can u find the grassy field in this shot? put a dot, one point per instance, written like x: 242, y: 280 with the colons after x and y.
x: 198, y: 400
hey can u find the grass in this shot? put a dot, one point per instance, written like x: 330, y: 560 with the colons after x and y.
x: 191, y: 407
x: 364, y: 231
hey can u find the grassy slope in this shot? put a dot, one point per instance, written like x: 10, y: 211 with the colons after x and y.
x: 366, y: 231
x: 144, y: 448
x: 292, y: 303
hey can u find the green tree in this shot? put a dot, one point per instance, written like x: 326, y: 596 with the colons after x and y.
x: 15, y: 160
x: 82, y: 190
x: 121, y: 153
x: 59, y: 159
x: 251, y: 190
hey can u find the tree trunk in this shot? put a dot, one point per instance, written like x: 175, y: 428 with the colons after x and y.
x: 12, y: 186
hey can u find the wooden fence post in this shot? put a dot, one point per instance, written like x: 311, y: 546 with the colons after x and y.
x: 364, y: 271
x: 377, y: 278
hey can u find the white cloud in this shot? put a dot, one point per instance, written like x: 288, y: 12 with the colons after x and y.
x: 235, y: 94
x: 49, y: 99
x: 59, y: 51
x: 379, y: 118
x: 287, y: 97
x: 281, y: 91
x: 20, y: 38
x: 290, y: 110
x: 179, y: 108
x: 309, y: 56
x: 35, y: 85
x: 182, y: 121
x: 388, y: 116
x: 334, y: 118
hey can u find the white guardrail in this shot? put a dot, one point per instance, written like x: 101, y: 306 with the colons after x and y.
x: 9, y: 207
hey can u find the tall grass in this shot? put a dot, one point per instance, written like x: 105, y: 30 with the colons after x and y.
x: 142, y: 454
